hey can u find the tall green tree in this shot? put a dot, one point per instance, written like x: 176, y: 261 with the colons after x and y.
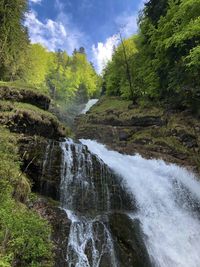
x: 13, y: 38
x: 38, y: 64
x: 119, y: 78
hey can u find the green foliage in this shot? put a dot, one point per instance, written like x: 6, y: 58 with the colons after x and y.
x: 37, y: 67
x: 67, y: 78
x: 165, y: 64
x: 24, y: 236
x: 116, y: 76
x: 72, y: 77
x: 155, y: 9
x: 13, y: 38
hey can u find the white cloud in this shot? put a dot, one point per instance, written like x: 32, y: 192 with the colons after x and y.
x: 102, y: 53
x: 127, y: 25
x: 58, y: 34
x: 36, y: 1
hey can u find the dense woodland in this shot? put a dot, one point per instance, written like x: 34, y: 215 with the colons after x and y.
x: 161, y: 62
x: 62, y: 76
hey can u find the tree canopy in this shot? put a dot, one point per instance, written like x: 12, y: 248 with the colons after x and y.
x: 64, y: 77
x: 164, y: 59
x: 13, y: 38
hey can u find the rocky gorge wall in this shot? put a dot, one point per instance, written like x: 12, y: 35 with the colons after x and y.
x: 152, y: 131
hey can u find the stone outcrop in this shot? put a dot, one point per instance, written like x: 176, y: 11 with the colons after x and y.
x: 42, y: 163
x: 60, y: 228
x: 32, y: 122
x: 153, y: 132
x: 37, y: 131
x: 25, y: 96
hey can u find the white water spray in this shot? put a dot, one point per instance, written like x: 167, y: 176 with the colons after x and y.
x: 166, y: 196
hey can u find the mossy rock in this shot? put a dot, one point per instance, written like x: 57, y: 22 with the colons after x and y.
x: 25, y: 95
x: 28, y: 119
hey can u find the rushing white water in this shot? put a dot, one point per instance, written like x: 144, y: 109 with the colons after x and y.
x: 88, y: 106
x: 166, y: 196
x: 89, y: 241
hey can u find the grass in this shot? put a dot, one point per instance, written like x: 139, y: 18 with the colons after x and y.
x: 117, y: 105
x: 9, y: 108
x: 23, y: 85
x: 108, y: 103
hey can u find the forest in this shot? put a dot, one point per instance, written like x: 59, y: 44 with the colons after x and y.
x: 162, y: 61
x: 65, y: 78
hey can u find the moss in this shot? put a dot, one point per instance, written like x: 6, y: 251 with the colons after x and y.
x: 22, y: 117
x: 30, y: 96
x: 22, y: 85
x: 24, y: 236
x: 117, y: 108
x: 108, y: 103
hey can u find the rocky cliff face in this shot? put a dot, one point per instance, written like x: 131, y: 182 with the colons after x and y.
x: 154, y: 132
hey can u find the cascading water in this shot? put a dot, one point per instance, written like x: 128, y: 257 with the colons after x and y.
x: 85, y: 196
x: 168, y: 200
x: 88, y: 106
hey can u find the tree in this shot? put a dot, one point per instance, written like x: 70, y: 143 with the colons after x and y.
x: 154, y: 9
x: 38, y: 63
x: 163, y: 64
x: 13, y: 38
x: 72, y: 78
x: 119, y: 73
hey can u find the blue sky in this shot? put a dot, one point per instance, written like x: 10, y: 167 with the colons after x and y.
x: 94, y: 24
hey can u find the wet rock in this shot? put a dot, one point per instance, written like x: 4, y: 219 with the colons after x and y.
x: 41, y: 162
x: 187, y: 139
x: 173, y: 137
x: 94, y: 187
x: 113, y: 120
x: 129, y: 241
x: 60, y: 229
x: 147, y: 121
x: 124, y: 136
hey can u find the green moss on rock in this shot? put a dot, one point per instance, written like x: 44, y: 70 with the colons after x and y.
x: 151, y: 130
x: 28, y: 119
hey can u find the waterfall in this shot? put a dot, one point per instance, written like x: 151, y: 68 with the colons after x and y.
x: 89, y: 104
x: 86, y: 197
x: 168, y: 200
